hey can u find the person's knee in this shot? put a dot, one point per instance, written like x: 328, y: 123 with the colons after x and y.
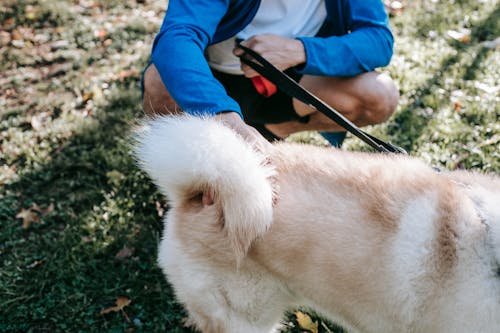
x: 156, y: 98
x: 383, y: 100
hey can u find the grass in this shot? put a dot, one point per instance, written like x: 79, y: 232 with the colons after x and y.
x: 70, y: 94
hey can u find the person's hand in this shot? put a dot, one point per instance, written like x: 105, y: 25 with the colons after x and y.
x: 280, y: 51
x: 248, y: 133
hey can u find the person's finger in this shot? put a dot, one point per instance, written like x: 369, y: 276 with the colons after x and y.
x: 248, y: 71
x: 250, y: 42
x: 238, y: 51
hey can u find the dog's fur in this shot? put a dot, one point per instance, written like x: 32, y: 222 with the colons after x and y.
x: 375, y: 242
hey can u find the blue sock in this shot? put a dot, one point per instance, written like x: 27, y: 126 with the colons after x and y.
x: 334, y: 138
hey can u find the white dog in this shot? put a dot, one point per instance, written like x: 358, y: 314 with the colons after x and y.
x: 375, y: 242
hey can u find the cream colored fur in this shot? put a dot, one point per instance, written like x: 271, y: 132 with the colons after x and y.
x: 377, y: 243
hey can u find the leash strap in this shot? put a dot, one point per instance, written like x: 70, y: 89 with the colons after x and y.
x: 293, y: 89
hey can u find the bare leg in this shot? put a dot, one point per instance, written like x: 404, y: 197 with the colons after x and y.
x: 365, y: 99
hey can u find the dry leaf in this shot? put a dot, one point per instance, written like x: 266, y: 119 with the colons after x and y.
x: 28, y: 216
x: 16, y: 35
x: 462, y: 35
x: 35, y: 264
x: 124, y: 253
x: 32, y: 214
x: 47, y: 210
x: 9, y: 23
x: 88, y: 96
x: 59, y: 44
x: 37, y: 122
x: 115, y: 177
x: 305, y: 322
x: 31, y: 12
x: 86, y: 239
x: 101, y: 33
x: 121, y: 302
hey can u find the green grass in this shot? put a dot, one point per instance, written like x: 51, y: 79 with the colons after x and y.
x: 69, y: 97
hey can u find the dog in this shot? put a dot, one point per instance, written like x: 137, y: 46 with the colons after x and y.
x: 374, y: 242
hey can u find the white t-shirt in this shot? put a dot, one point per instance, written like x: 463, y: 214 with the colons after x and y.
x: 287, y: 18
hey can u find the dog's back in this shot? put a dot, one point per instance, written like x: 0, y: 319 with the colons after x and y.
x: 375, y: 242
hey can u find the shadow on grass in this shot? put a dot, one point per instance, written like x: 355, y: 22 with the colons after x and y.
x: 408, y: 124
x: 61, y: 273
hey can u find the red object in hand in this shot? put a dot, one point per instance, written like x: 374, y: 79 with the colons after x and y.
x: 264, y: 86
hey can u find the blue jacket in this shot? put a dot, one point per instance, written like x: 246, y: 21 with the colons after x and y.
x: 355, y: 38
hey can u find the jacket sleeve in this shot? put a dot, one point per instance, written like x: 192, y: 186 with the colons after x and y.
x: 368, y: 43
x: 178, y: 54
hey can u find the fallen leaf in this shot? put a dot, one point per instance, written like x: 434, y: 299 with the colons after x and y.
x: 115, y: 176
x: 33, y: 214
x: 305, y: 322
x: 121, y: 302
x: 38, y: 120
x: 88, y: 96
x: 9, y: 23
x: 35, y: 264
x: 47, y: 210
x: 17, y: 43
x: 59, y: 44
x: 31, y: 12
x: 59, y: 69
x: 124, y: 253
x: 28, y: 216
x: 16, y: 35
x: 86, y: 239
x: 462, y: 35
x: 100, y: 33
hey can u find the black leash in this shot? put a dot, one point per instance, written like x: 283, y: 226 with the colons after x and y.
x: 293, y: 89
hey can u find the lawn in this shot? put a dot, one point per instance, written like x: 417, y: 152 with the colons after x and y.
x: 79, y: 223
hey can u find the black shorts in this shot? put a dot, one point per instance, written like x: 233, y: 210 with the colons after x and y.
x: 256, y: 108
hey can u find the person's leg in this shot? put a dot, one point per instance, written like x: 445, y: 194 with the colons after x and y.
x: 368, y: 98
x: 365, y: 99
